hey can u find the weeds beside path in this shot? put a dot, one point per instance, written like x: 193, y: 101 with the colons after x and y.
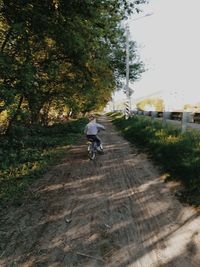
x: 177, y: 154
x: 27, y: 153
x: 114, y: 211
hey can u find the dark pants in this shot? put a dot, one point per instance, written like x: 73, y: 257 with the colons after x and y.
x: 94, y: 138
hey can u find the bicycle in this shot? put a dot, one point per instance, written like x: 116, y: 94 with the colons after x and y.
x: 93, y: 149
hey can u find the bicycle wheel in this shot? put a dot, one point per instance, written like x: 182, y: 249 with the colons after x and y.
x: 91, y: 151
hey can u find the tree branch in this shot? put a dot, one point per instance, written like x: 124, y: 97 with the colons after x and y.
x: 6, y: 39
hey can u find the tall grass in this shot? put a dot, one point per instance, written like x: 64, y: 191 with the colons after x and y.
x: 178, y: 154
x: 27, y: 153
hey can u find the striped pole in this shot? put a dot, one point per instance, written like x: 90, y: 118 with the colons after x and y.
x: 127, y: 109
x: 127, y: 104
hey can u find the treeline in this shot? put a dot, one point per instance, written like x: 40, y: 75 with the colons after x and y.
x: 61, y: 55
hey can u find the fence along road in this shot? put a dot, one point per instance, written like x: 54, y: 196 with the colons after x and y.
x: 182, y: 119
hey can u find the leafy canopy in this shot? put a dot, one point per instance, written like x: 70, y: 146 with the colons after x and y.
x: 67, y: 51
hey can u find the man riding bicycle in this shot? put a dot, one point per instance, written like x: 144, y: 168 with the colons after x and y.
x: 91, y: 131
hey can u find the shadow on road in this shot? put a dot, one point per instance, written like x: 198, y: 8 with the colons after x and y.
x: 114, y: 211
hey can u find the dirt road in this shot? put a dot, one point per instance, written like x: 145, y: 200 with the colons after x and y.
x: 115, y: 211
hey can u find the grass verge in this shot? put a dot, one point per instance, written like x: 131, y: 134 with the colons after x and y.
x: 177, y: 154
x: 27, y: 153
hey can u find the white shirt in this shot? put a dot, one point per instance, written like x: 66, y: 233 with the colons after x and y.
x: 92, y: 128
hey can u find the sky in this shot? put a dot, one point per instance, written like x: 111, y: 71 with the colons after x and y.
x: 169, y: 45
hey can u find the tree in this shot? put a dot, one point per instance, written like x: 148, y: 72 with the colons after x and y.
x: 151, y: 104
x: 66, y: 50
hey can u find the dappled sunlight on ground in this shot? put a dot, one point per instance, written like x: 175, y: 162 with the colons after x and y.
x: 114, y: 212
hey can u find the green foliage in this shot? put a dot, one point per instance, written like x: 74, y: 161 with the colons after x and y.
x: 193, y: 108
x: 151, y: 104
x: 62, y: 51
x: 178, y: 154
x: 27, y: 153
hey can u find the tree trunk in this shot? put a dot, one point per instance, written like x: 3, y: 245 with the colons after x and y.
x: 6, y: 39
x: 13, y: 118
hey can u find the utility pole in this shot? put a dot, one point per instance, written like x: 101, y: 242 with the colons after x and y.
x: 113, y: 103
x: 127, y: 89
x: 127, y: 105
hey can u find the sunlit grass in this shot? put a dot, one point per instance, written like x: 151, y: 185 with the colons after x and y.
x: 27, y: 153
x: 177, y: 154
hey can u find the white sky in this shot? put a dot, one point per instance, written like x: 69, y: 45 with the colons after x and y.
x: 169, y: 45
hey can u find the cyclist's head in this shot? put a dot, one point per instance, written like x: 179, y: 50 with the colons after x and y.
x: 91, y: 117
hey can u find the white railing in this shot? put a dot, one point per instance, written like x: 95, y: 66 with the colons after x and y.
x: 184, y: 119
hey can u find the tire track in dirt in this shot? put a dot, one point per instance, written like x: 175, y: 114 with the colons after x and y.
x: 114, y: 211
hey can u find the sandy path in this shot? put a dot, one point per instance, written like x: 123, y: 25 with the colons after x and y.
x: 114, y: 211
